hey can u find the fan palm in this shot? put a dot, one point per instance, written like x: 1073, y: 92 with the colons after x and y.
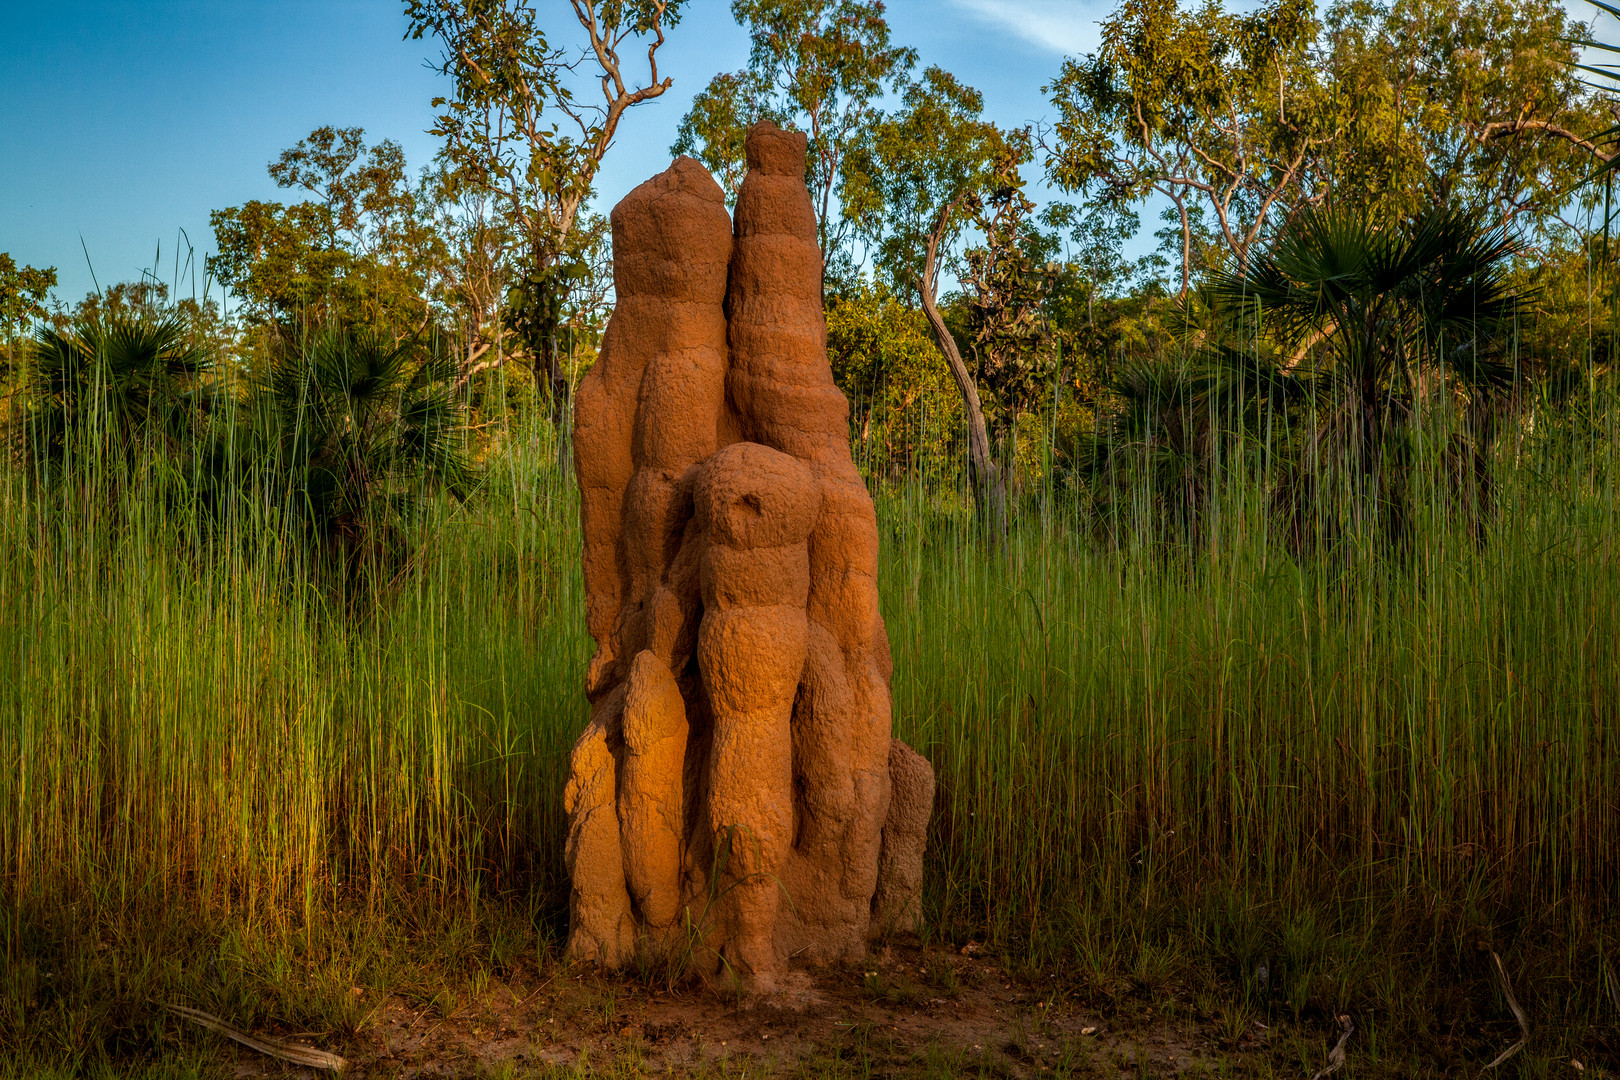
x: 1379, y: 309
x: 353, y: 430
x: 112, y: 388
x: 1170, y: 423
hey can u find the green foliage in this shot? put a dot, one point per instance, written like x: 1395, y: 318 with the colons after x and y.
x: 1464, y: 103
x: 1382, y: 313
x: 556, y: 311
x: 908, y: 165
x: 1007, y: 278
x: 819, y: 65
x: 1384, y: 302
x: 1157, y: 452
x: 1095, y: 323
x: 23, y: 290
x: 358, y: 252
x: 1347, y: 358
x: 350, y: 431
x: 477, y: 246
x: 1250, y: 117
x: 1193, y: 105
x: 343, y: 435
x: 363, y: 189
x: 714, y: 129
x: 906, y: 413
x: 521, y: 150
x: 112, y: 389
x: 501, y: 125
x: 275, y: 258
x: 1098, y: 233
x: 1567, y: 318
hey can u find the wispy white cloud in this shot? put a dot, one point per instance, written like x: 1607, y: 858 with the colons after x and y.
x: 1064, y: 27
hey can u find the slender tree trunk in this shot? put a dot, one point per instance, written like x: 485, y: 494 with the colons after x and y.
x: 988, y: 486
x: 556, y: 381
x: 1186, y: 250
x: 565, y: 417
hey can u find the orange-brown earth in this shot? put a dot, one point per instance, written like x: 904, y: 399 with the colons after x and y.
x: 905, y: 1011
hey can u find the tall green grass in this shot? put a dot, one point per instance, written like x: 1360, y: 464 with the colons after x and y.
x: 1238, y: 715
x: 188, y: 718
x: 190, y: 711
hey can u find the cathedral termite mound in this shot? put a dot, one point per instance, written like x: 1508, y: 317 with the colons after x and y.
x: 736, y: 796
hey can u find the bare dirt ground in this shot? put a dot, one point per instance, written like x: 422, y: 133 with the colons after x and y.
x: 906, y: 1011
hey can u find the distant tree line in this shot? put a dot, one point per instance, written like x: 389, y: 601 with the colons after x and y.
x: 966, y: 320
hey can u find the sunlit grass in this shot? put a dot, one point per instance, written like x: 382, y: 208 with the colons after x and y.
x: 1151, y: 762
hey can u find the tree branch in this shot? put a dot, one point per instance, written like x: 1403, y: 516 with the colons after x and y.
x: 984, y: 466
x: 1501, y: 129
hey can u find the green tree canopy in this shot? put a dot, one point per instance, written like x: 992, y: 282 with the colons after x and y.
x: 23, y: 292
x: 910, y: 164
x: 817, y: 65
x: 527, y: 125
x: 1197, y: 106
x: 359, y: 251
x: 905, y: 186
x: 1241, y: 119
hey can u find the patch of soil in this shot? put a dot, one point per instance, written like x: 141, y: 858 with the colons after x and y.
x: 905, y: 1009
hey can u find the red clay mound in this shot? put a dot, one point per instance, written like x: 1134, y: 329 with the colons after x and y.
x: 737, y: 796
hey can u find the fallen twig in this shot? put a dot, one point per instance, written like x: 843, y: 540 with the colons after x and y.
x: 1518, y: 1014
x: 1335, y: 1060
x: 537, y: 989
x: 298, y: 1055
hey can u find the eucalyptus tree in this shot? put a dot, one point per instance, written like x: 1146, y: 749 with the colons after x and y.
x: 1007, y: 278
x: 905, y: 187
x: 821, y: 66
x: 23, y: 292
x: 1202, y: 107
x: 471, y: 268
x: 716, y: 126
x: 1473, y: 103
x: 921, y: 179
x: 358, y: 249
x: 529, y: 119
x: 1252, y: 116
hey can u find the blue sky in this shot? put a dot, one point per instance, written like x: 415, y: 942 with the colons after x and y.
x: 125, y: 123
